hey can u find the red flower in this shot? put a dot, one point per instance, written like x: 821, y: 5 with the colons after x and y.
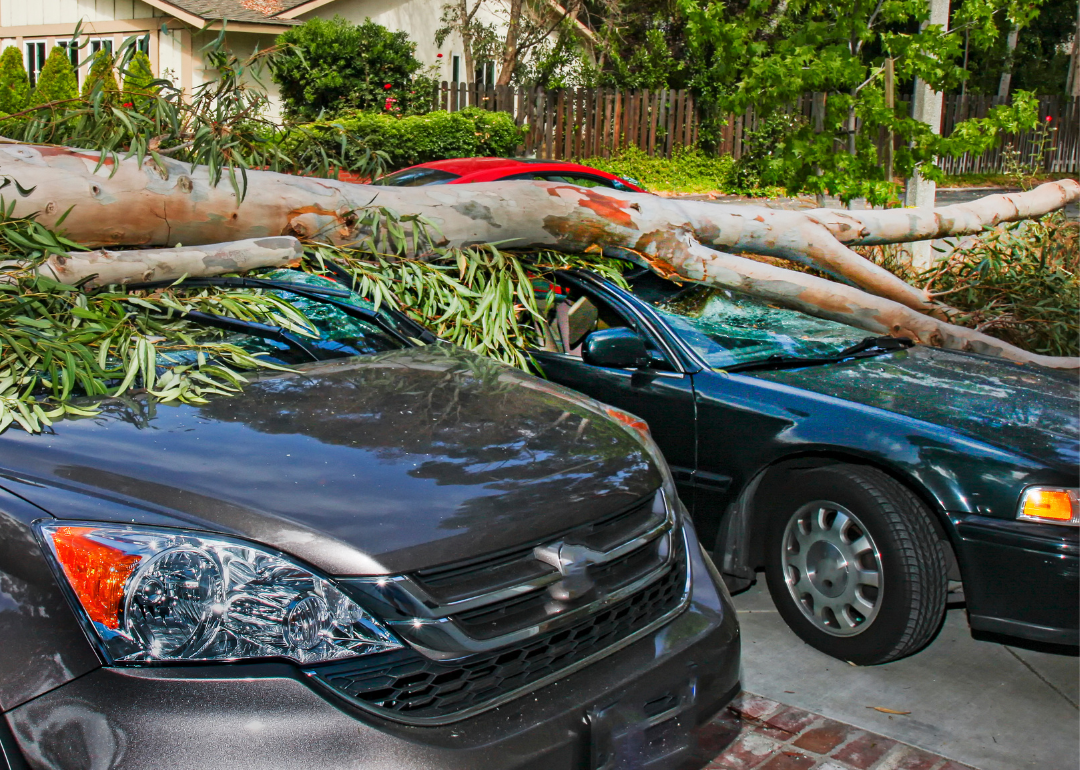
x: 387, y: 86
x: 1048, y: 118
x: 438, y: 56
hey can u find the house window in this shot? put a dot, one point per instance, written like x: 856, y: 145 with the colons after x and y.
x: 485, y: 73
x: 142, y: 43
x: 35, y: 60
x: 455, y: 68
x: 72, y: 49
x: 99, y: 44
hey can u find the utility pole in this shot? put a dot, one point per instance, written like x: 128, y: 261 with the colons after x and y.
x: 1072, y: 81
x: 926, y: 108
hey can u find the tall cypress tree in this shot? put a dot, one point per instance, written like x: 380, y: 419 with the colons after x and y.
x: 101, y: 71
x: 14, y: 83
x: 57, y: 80
x: 137, y: 79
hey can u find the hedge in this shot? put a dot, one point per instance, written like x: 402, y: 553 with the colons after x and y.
x: 470, y: 133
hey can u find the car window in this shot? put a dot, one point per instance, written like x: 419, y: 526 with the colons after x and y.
x: 727, y: 327
x: 340, y: 335
x: 571, y: 314
x: 417, y: 177
x: 581, y: 180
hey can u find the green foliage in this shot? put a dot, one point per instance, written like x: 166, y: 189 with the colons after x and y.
x: 479, y: 298
x: 472, y: 132
x: 58, y: 342
x: 688, y: 171
x: 57, y: 81
x: 220, y: 126
x: 14, y: 83
x: 138, y: 81
x: 1020, y: 283
x: 101, y: 77
x: 326, y: 67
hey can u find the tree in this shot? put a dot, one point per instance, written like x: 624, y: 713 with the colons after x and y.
x: 102, y: 77
x: 14, y: 83
x: 325, y: 67
x: 56, y: 81
x: 510, y: 35
x: 675, y: 238
x: 138, y: 78
x: 429, y: 251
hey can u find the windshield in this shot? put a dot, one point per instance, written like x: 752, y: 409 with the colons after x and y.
x: 727, y: 327
x: 417, y: 177
x: 340, y: 334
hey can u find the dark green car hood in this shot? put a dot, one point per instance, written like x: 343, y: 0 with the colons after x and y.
x: 1021, y: 409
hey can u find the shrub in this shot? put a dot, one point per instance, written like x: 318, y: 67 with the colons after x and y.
x: 57, y: 81
x: 1019, y: 282
x: 689, y: 170
x: 137, y: 79
x: 472, y: 132
x: 14, y: 83
x: 101, y: 71
x: 326, y: 67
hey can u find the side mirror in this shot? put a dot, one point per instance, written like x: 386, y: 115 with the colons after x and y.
x: 615, y: 349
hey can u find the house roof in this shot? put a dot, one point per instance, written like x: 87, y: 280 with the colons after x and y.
x: 245, y: 11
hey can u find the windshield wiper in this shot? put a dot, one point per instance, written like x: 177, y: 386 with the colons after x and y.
x: 868, y: 348
x: 326, y: 294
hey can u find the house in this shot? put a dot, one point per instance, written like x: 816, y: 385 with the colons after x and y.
x: 172, y: 32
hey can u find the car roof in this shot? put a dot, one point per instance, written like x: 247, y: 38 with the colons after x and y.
x: 465, y: 166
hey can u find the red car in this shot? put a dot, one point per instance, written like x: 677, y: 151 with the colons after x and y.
x: 465, y: 170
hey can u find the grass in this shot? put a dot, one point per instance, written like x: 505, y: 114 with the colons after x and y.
x: 689, y: 171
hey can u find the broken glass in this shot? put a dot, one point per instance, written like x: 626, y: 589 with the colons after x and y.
x: 726, y: 327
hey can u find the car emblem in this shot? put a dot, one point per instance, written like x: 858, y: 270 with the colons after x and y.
x: 572, y: 562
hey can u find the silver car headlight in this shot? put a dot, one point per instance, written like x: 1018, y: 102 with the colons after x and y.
x: 157, y: 595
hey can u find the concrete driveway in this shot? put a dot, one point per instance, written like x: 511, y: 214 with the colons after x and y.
x: 983, y: 704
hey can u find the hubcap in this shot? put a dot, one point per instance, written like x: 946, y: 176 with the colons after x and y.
x: 832, y: 568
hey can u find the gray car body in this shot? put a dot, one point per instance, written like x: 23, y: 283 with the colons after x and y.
x: 364, y: 466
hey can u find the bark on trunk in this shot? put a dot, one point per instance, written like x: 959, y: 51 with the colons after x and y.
x: 128, y: 205
x: 104, y: 267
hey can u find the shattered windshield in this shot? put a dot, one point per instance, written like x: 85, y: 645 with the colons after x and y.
x: 726, y: 327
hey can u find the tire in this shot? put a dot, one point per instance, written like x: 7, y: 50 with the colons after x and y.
x: 839, y: 530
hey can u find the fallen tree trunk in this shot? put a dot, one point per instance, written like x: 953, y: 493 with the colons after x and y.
x: 127, y: 204
x: 972, y: 218
x: 103, y: 267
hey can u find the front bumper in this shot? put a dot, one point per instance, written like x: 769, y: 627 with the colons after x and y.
x: 265, y: 715
x: 1021, y: 579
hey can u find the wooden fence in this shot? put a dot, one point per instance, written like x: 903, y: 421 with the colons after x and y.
x: 595, y: 122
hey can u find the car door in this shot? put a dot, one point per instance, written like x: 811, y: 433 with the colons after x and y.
x: 662, y: 393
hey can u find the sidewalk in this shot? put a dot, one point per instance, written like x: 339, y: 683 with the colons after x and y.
x: 984, y: 704
x: 757, y: 732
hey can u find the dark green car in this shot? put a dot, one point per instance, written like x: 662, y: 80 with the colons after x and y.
x: 868, y: 478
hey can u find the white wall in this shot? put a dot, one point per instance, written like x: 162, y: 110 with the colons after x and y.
x: 17, y: 13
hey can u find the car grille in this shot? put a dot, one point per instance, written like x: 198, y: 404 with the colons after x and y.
x: 482, y: 630
x: 407, y: 686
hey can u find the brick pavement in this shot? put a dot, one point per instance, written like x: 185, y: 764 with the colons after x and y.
x: 761, y: 734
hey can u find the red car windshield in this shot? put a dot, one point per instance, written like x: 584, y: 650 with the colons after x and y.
x: 417, y: 177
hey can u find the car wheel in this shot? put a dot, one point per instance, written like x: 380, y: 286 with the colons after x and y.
x: 854, y: 565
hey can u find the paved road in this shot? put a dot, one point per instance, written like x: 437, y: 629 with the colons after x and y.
x: 987, y: 705
x: 945, y: 197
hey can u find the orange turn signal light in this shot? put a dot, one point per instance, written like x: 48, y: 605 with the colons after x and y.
x: 96, y: 572
x: 1059, y: 506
